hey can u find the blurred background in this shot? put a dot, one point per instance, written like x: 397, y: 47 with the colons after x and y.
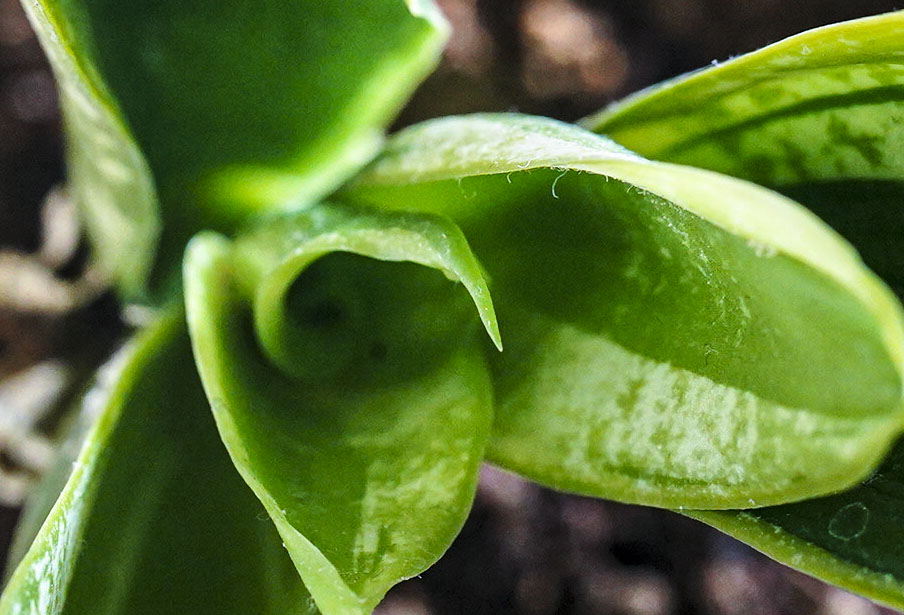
x: 525, y: 550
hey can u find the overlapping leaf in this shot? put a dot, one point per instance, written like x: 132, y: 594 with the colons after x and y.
x: 344, y: 368
x: 192, y: 115
x: 819, y: 117
x: 820, y: 105
x: 673, y: 336
x: 854, y: 538
x: 154, y: 518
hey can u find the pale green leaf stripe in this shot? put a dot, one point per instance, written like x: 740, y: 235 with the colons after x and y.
x: 820, y: 105
x: 360, y: 411
x: 44, y: 495
x: 687, y: 308
x: 254, y: 108
x: 153, y: 518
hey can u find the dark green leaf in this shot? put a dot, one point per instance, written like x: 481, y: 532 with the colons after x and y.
x: 195, y: 114
x: 154, y: 518
x: 825, y: 104
x: 673, y: 336
x: 819, y: 116
x: 853, y: 539
x: 360, y: 410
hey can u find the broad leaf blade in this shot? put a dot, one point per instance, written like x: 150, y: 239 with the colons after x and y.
x: 154, y: 518
x: 821, y: 105
x: 360, y: 413
x: 824, y: 127
x: 193, y: 115
x: 673, y: 337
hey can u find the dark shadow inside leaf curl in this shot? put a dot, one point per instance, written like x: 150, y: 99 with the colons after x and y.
x: 360, y: 322
x: 364, y: 438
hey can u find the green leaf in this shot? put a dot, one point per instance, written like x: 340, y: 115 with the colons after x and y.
x: 154, y: 518
x: 195, y: 115
x: 852, y: 539
x: 44, y: 495
x: 673, y: 337
x: 818, y: 116
x: 343, y: 366
x: 821, y: 105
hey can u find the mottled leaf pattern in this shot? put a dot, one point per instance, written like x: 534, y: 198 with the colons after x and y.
x: 819, y: 116
x: 672, y: 336
x: 342, y: 361
x: 821, y: 105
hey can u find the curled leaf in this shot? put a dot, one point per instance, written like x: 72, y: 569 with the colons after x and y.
x: 153, y: 518
x: 194, y: 115
x: 342, y: 361
x: 674, y: 337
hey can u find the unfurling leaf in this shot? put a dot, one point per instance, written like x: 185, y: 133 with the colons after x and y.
x: 673, y: 336
x: 195, y: 115
x: 154, y: 518
x: 343, y: 364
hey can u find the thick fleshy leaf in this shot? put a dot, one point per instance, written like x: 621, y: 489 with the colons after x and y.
x: 154, y: 518
x: 673, y: 337
x: 344, y: 368
x: 194, y: 114
x: 820, y: 117
x: 822, y: 105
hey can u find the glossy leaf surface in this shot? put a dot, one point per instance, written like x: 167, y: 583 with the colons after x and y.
x: 154, y: 518
x: 45, y: 493
x: 342, y: 360
x: 672, y: 336
x: 193, y: 115
x: 821, y: 120
x: 852, y: 539
x: 821, y: 105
